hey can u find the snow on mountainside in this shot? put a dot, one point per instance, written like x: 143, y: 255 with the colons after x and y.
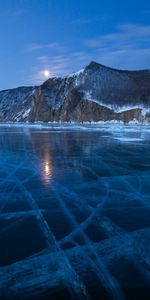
x: 15, y: 103
x: 95, y: 93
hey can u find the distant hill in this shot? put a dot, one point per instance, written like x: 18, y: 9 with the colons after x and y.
x: 96, y: 93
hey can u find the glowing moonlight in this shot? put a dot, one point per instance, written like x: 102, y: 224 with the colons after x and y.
x: 46, y: 73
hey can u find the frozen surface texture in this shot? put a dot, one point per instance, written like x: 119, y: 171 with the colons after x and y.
x: 74, y: 213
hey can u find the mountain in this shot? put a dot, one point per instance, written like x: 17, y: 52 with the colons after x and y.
x: 96, y: 93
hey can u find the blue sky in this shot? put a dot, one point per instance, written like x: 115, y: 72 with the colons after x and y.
x: 63, y: 36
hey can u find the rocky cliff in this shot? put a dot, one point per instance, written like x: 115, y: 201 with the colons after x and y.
x: 96, y: 93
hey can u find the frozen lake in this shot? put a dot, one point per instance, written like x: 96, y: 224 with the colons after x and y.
x: 74, y: 212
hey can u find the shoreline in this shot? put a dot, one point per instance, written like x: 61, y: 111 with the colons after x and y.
x: 89, y: 126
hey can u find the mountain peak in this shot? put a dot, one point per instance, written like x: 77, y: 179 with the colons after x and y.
x: 93, y: 65
x: 95, y: 93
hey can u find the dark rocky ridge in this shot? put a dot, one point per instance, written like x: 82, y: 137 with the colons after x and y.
x: 15, y: 103
x: 96, y: 93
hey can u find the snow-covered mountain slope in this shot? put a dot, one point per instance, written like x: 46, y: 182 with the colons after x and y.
x: 96, y: 93
x: 15, y: 104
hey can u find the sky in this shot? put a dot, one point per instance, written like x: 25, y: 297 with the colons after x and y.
x: 47, y: 38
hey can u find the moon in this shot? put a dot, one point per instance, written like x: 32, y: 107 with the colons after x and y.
x: 46, y: 73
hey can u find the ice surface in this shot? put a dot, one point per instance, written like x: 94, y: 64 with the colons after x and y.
x: 74, y: 211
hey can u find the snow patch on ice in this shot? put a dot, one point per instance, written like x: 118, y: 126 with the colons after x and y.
x: 127, y: 139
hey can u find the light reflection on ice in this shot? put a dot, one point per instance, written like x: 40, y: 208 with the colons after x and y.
x: 47, y: 168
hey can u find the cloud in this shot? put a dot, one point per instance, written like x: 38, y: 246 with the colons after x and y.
x: 146, y: 12
x: 36, y: 47
x: 58, y: 65
x: 127, y: 47
x: 132, y: 59
x: 12, y: 13
x: 126, y: 35
x: 86, y: 21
